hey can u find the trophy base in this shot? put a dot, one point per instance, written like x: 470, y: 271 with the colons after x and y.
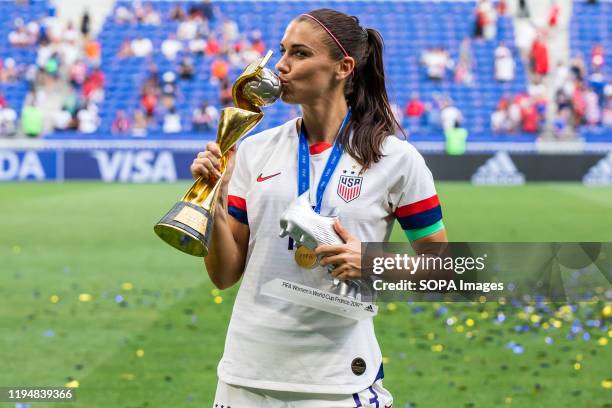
x: 187, y: 228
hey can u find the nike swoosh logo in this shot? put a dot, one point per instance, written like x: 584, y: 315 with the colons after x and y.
x: 260, y: 178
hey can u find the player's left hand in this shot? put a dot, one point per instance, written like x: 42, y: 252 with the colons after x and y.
x: 346, y: 257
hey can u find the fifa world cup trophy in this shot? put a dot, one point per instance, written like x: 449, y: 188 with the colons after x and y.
x: 188, y: 225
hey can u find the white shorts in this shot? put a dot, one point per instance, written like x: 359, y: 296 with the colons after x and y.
x: 232, y: 396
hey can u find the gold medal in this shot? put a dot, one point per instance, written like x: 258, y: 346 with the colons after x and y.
x: 305, y: 257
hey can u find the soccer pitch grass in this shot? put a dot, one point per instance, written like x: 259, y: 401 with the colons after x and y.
x: 90, y: 295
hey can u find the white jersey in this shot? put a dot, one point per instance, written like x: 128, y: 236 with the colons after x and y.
x: 275, y: 344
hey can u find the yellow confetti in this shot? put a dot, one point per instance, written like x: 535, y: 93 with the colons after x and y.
x: 437, y: 348
x: 54, y: 298
x: 140, y: 353
x: 508, y: 400
x: 579, y: 357
x: 16, y: 249
x: 392, y: 307
x: 127, y: 286
x: 72, y: 384
x: 127, y: 376
x: 534, y: 318
x: 215, y: 292
x: 84, y: 297
x: 385, y: 360
x: 459, y: 328
x: 556, y: 323
x: 577, y: 366
x: 484, y: 315
x: 607, y: 311
x: 609, y: 333
x: 431, y: 336
x: 502, y: 301
x: 545, y: 325
x: 218, y: 299
x: 602, y: 341
x: 482, y: 299
x: 606, y: 384
x: 469, y: 322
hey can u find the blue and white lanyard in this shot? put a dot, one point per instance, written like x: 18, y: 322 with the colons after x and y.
x: 330, y: 166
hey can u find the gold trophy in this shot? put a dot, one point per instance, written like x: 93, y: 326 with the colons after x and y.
x: 188, y: 225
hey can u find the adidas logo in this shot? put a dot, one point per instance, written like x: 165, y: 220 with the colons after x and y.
x: 600, y: 174
x: 369, y: 308
x: 499, y: 169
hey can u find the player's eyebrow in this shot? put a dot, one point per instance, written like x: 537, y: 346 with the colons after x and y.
x: 296, y: 46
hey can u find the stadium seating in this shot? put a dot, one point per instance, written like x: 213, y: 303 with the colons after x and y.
x: 591, y: 25
x: 15, y: 92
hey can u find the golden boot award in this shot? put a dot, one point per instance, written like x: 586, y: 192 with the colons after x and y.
x: 188, y: 225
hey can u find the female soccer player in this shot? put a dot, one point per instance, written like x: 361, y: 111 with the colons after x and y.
x: 276, y: 352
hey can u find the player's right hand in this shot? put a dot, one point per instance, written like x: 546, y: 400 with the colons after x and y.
x: 207, y: 163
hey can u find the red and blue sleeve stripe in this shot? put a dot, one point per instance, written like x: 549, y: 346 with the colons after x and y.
x: 237, y: 208
x: 420, y: 214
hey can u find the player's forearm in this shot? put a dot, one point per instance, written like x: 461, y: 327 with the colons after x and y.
x: 225, y: 260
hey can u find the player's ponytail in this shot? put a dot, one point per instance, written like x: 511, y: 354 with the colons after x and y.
x: 366, y: 93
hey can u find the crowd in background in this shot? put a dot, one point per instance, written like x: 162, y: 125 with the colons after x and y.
x: 68, y: 55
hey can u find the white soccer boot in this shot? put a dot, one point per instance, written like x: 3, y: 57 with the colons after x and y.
x: 310, y: 229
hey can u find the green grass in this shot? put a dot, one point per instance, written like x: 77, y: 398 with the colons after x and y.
x: 89, y: 238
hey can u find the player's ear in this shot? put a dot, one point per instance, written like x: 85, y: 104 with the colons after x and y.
x: 345, y: 68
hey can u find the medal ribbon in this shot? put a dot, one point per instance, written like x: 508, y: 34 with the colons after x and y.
x: 330, y: 166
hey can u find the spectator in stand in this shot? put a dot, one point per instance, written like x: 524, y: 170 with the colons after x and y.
x: 121, y: 123
x: 597, y: 57
x: 485, y: 20
x: 205, y: 9
x: 463, y: 72
x: 578, y: 68
x: 186, y: 69
x: 204, y: 118
x: 229, y: 31
x: 197, y: 45
x: 93, y: 87
x: 141, y: 46
x: 436, y: 62
x: 553, y: 14
x: 212, y: 46
x: 530, y: 120
x: 148, y: 16
x: 225, y: 93
x: 592, y: 114
x: 93, y: 52
x: 168, y: 89
x: 501, y: 7
x: 139, y: 128
x: 171, y: 47
x: 177, y: 13
x: 8, y: 119
x: 20, y: 37
x: 88, y: 119
x: 85, y: 24
x: 415, y: 108
x: 523, y: 10
x: 8, y: 70
x: 539, y: 55
x: 123, y: 15
x: 32, y: 119
x: 257, y: 42
x: 500, y: 119
x: 606, y: 119
x: 187, y: 29
x: 219, y: 70
x: 504, y: 63
x: 450, y: 116
x: 125, y: 50
x: 172, y: 121
x: 149, y: 101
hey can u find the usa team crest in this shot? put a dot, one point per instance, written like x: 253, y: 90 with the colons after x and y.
x: 349, y: 187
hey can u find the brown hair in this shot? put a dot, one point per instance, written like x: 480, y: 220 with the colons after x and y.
x: 372, y: 119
